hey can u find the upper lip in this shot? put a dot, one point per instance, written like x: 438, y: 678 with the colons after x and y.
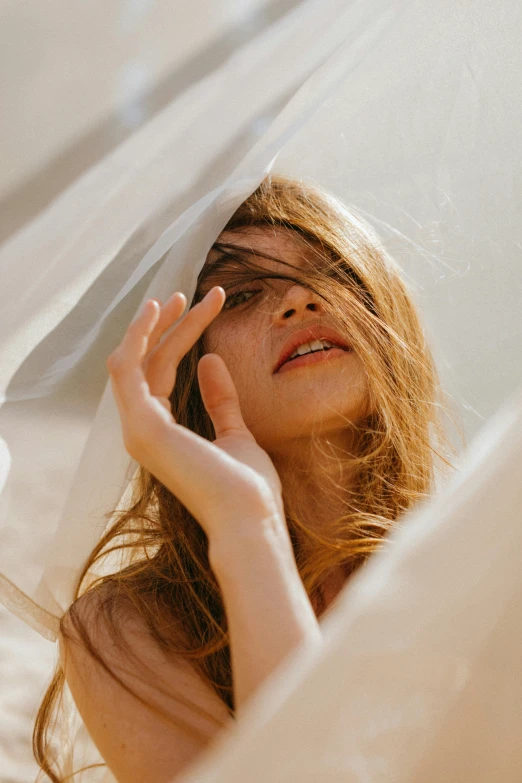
x: 306, y: 336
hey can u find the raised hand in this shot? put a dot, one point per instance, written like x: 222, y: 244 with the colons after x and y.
x: 231, y: 485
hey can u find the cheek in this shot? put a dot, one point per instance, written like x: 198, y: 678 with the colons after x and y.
x: 234, y: 347
x: 222, y: 341
x: 244, y: 357
x: 362, y: 396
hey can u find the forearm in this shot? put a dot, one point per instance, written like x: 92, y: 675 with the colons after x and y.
x: 268, y: 610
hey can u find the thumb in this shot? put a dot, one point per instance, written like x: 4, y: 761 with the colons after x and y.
x: 219, y: 395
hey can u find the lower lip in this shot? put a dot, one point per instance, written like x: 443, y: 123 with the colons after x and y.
x: 318, y: 357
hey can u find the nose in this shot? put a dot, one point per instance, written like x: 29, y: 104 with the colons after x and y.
x: 296, y: 303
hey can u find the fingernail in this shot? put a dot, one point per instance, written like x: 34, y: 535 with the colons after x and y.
x: 146, y: 304
x: 213, y: 289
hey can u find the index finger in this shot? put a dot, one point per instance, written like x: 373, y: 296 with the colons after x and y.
x: 189, y: 328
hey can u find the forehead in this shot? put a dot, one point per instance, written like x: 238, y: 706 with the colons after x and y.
x: 281, y: 243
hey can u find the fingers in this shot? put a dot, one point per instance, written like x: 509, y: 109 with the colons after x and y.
x: 125, y: 362
x: 142, y: 366
x: 192, y: 325
x: 134, y: 346
x: 219, y: 395
x: 169, y: 313
x: 163, y: 363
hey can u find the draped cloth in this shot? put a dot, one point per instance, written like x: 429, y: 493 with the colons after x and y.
x: 409, y: 110
x: 420, y: 676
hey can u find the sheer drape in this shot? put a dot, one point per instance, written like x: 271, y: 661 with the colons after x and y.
x: 410, y: 111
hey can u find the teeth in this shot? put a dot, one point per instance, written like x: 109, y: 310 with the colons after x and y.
x: 314, y: 345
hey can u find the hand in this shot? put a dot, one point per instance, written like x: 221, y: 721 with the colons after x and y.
x: 231, y: 485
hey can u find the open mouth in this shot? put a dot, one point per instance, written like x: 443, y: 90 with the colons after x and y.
x: 314, y: 357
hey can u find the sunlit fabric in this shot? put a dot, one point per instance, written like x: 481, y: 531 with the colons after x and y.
x: 420, y: 678
x: 410, y: 111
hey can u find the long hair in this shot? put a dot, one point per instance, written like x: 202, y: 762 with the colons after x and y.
x: 401, y: 444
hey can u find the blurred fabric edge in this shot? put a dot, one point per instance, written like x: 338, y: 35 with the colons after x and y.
x: 420, y: 676
x: 139, y: 92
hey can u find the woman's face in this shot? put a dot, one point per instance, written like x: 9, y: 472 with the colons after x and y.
x: 318, y: 394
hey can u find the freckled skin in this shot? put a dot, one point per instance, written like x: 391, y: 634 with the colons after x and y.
x: 283, y: 409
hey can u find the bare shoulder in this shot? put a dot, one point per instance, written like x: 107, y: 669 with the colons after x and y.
x: 149, y: 713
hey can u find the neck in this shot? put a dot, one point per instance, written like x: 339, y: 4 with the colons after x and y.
x: 316, y: 479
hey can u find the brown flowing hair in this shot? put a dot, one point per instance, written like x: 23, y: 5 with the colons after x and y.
x: 401, y: 443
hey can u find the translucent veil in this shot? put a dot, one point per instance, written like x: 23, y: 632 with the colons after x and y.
x: 410, y: 111
x: 138, y: 224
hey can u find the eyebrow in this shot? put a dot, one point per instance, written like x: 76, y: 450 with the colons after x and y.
x: 225, y: 253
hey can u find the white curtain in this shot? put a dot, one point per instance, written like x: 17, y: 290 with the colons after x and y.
x: 410, y: 110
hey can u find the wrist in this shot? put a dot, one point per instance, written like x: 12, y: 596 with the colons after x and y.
x: 258, y: 576
x: 251, y: 544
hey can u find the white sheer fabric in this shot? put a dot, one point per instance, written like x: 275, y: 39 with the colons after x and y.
x: 420, y: 677
x: 139, y: 224
x: 411, y: 111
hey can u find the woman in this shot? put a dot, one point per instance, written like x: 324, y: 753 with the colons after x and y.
x: 283, y: 424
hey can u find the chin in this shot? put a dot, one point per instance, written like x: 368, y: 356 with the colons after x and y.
x: 279, y: 437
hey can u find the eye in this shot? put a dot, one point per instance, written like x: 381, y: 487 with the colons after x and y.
x: 238, y: 297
